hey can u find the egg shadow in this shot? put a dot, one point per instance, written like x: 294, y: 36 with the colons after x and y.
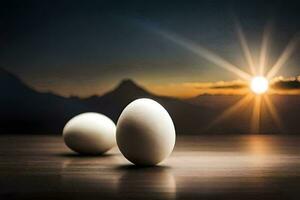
x: 132, y: 167
x: 91, y: 175
x: 80, y: 155
x: 152, y: 182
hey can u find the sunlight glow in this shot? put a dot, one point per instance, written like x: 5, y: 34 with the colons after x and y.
x: 259, y: 84
x: 245, y: 47
x: 256, y: 115
x: 283, y: 58
x: 259, y: 78
x: 272, y: 109
x: 232, y: 109
x: 264, y: 47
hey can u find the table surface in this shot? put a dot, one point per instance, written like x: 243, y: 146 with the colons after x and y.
x: 200, y: 167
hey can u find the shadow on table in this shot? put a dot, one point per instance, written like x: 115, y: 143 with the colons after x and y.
x: 138, y: 182
x: 77, y: 155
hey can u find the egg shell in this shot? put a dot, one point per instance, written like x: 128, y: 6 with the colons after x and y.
x: 145, y: 132
x: 90, y: 133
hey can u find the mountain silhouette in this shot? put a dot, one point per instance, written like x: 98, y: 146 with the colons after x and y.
x: 24, y: 110
x: 130, y: 88
x: 127, y: 90
x: 27, y: 111
x: 113, y: 102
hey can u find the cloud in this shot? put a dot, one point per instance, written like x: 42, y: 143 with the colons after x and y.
x: 278, y: 83
x: 287, y: 84
x: 236, y: 84
x: 233, y: 86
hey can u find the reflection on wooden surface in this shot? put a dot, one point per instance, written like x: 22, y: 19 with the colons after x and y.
x: 216, y: 167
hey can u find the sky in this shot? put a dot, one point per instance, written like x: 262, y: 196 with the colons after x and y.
x: 86, y: 47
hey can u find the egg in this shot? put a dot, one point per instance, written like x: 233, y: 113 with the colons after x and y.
x: 145, y: 132
x: 90, y: 133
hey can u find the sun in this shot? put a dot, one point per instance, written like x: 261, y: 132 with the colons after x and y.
x: 259, y: 85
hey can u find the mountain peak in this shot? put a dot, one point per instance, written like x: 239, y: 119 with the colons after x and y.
x: 127, y: 83
x: 127, y: 89
x: 130, y: 86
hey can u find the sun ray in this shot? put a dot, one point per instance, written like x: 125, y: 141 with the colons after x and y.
x: 232, y: 109
x: 272, y: 110
x: 256, y: 114
x: 264, y: 48
x: 283, y: 57
x: 204, y: 53
x: 245, y: 47
x: 256, y: 72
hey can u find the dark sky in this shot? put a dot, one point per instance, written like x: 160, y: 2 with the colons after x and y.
x: 84, y: 47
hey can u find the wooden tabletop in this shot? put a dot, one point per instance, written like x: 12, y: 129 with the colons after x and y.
x: 201, y: 167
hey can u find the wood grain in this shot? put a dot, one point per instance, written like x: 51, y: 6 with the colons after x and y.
x: 201, y: 167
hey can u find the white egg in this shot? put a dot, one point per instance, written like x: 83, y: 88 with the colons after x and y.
x: 90, y: 133
x: 145, y: 132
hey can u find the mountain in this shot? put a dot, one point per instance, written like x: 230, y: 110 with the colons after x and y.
x: 282, y: 118
x: 112, y: 103
x: 215, y: 101
x: 25, y: 110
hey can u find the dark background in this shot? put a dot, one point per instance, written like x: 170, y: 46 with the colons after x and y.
x: 61, y: 58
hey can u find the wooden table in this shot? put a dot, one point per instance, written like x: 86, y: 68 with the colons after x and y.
x: 201, y: 167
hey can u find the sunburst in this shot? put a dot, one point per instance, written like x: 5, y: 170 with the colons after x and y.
x: 259, y: 85
x: 258, y: 79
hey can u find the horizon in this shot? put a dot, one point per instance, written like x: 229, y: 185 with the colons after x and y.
x: 235, y: 87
